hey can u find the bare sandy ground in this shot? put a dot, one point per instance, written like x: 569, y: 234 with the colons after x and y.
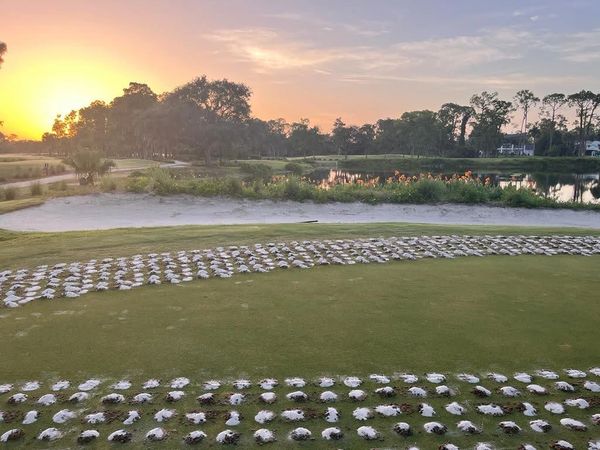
x: 104, y: 211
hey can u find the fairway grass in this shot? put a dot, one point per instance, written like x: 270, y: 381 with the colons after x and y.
x: 469, y: 314
x: 26, y: 249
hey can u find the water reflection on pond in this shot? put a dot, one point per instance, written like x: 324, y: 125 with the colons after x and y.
x: 583, y: 188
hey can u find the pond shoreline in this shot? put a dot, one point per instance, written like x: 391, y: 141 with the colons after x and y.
x: 106, y: 211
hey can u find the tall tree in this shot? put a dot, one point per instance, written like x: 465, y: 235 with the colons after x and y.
x: 420, y: 131
x: 387, y: 137
x: 3, y: 49
x: 491, y: 114
x: 217, y: 100
x: 585, y: 104
x: 278, y: 132
x: 525, y: 99
x: 306, y: 140
x: 208, y: 104
x: 124, y: 113
x: 341, y: 136
x: 551, y: 104
x: 454, y: 119
x: 364, y: 138
x: 92, y: 126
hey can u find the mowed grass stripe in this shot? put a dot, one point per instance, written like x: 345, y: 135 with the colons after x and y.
x: 25, y: 250
x: 467, y: 314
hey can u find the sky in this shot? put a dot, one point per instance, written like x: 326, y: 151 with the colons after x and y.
x: 359, y: 60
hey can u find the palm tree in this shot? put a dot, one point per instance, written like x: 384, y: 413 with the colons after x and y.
x: 88, y: 165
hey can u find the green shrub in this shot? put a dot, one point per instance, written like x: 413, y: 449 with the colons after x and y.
x: 233, y: 187
x: 524, y: 198
x: 36, y: 189
x: 137, y: 185
x: 257, y: 171
x: 429, y: 191
x: 292, y: 190
x: 294, y: 168
x: 205, y: 188
x: 465, y: 192
x: 162, y: 183
x: 108, y: 184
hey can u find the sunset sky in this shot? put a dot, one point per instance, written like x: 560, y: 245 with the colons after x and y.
x: 361, y: 60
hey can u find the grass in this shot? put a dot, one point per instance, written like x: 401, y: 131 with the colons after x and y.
x: 36, y: 193
x: 22, y: 203
x: 339, y: 320
x: 17, y: 167
x: 19, y: 249
x: 468, y: 314
x: 134, y: 163
x: 479, y: 314
x: 425, y: 164
x: 278, y: 165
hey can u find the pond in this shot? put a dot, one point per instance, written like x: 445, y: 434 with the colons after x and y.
x: 103, y: 211
x: 580, y: 188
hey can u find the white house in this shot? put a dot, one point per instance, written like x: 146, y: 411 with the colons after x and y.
x: 515, y: 150
x: 592, y: 145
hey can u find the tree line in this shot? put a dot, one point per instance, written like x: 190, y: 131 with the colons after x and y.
x: 211, y: 120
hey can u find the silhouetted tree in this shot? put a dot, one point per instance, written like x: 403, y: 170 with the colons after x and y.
x: 3, y: 49
x: 585, y: 104
x: 551, y: 104
x: 525, y: 99
x: 491, y: 114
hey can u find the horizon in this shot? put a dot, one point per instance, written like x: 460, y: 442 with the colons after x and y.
x: 349, y: 60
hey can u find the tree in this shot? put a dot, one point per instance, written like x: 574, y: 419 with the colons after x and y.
x: 219, y: 99
x: 491, y: 114
x: 585, y: 104
x: 363, y: 138
x: 551, y: 104
x: 305, y: 140
x: 123, y: 115
x: 278, y: 132
x: 525, y: 99
x: 551, y: 138
x: 454, y: 119
x: 341, y: 137
x: 419, y: 131
x: 64, y: 131
x: 209, y: 107
x: 88, y: 165
x: 3, y: 49
x: 387, y: 138
x: 92, y: 126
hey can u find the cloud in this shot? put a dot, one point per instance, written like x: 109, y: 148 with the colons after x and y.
x: 579, y: 47
x: 271, y: 50
x: 362, y: 28
x: 509, y: 53
x: 512, y: 80
x: 267, y: 51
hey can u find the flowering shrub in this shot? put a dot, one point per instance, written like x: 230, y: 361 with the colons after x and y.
x: 343, y: 187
